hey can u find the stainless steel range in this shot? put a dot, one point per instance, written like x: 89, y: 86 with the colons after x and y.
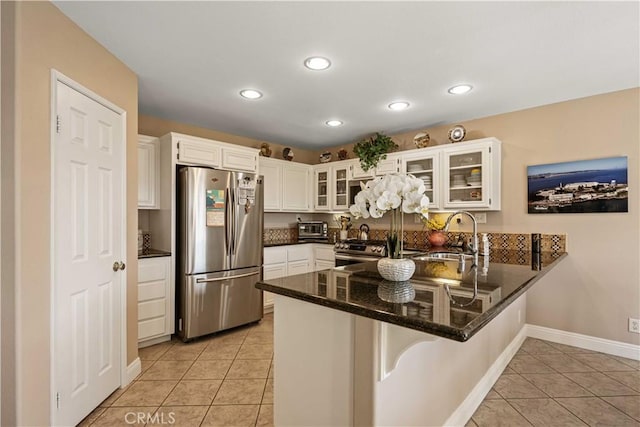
x: 355, y: 251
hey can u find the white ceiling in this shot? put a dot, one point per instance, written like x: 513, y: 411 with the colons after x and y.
x: 192, y: 59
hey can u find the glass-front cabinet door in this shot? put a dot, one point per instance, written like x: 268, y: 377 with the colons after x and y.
x: 322, y: 181
x: 340, y: 187
x: 471, y: 175
x: 426, y: 167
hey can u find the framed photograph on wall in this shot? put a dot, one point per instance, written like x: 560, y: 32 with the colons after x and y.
x: 583, y: 186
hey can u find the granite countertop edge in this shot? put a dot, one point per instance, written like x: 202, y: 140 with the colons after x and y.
x: 299, y: 242
x: 153, y: 253
x: 458, y: 334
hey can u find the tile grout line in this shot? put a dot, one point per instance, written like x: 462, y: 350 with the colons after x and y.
x: 595, y: 370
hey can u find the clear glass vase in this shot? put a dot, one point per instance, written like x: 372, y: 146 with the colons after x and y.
x: 394, y: 239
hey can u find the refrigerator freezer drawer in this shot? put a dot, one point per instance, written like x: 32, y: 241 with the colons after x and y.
x: 217, y: 301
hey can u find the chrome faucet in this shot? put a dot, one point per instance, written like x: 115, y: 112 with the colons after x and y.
x: 473, y: 246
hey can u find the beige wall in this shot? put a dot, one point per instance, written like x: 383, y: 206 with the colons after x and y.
x: 46, y: 39
x: 153, y: 126
x: 597, y: 288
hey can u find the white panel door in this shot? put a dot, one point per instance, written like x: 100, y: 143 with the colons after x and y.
x: 88, y: 217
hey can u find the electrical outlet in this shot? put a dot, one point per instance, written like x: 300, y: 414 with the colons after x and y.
x: 634, y: 325
x: 481, y: 217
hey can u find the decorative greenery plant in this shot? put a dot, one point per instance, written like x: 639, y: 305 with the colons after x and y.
x: 372, y: 150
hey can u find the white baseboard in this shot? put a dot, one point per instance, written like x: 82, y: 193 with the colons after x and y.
x: 463, y: 413
x: 154, y: 341
x: 268, y: 308
x: 617, y: 348
x: 133, y: 370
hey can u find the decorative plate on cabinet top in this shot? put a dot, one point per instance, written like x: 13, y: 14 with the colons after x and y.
x: 325, y: 157
x: 343, y: 154
x: 457, y: 133
x: 287, y: 153
x: 421, y: 140
x: 265, y: 150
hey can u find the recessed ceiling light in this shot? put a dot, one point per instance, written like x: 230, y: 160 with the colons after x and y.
x: 333, y: 123
x: 399, y: 105
x: 250, y: 94
x: 459, y: 89
x: 317, y: 63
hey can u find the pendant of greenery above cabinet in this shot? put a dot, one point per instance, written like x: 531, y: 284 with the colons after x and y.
x: 372, y: 150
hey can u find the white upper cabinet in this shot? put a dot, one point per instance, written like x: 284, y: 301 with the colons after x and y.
x: 207, y: 152
x: 239, y: 159
x: 148, y: 172
x: 296, y: 181
x: 286, y: 185
x: 340, y: 189
x: 471, y: 175
x: 464, y: 175
x: 198, y: 151
x: 272, y: 184
x: 391, y: 164
x: 356, y: 171
x: 426, y: 166
x: 322, y: 188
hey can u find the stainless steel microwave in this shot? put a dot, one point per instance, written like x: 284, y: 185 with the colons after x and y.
x: 313, y: 230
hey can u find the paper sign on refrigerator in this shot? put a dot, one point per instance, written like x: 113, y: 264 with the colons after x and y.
x: 215, y: 208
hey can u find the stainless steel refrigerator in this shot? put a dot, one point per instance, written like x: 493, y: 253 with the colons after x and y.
x: 219, y: 250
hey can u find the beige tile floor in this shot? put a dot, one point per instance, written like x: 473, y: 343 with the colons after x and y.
x: 549, y: 384
x: 227, y: 380
x: 222, y: 380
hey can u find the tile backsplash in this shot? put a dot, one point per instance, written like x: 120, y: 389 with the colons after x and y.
x: 554, y: 243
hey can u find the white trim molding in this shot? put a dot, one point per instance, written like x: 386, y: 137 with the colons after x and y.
x: 133, y: 370
x: 616, y: 348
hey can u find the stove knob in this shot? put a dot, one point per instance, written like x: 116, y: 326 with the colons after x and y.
x: 380, y: 249
x: 337, y: 246
x: 343, y: 246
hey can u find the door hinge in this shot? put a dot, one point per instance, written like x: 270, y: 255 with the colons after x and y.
x: 180, y: 324
x: 489, y: 149
x: 57, y: 400
x: 58, y: 124
x: 489, y: 200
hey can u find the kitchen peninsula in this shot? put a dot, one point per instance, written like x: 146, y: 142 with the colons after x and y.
x: 353, y: 349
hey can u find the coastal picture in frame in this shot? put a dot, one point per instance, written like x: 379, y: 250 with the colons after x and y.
x: 583, y: 186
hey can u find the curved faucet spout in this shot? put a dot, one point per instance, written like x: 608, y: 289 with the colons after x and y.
x: 474, y: 245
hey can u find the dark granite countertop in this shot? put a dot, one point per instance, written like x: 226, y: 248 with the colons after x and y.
x: 153, y: 253
x: 299, y: 242
x: 421, y: 303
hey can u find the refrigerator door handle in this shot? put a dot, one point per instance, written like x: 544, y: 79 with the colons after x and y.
x: 220, y: 279
x: 229, y: 215
x: 232, y: 195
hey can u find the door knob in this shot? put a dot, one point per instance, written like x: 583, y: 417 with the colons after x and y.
x: 118, y: 266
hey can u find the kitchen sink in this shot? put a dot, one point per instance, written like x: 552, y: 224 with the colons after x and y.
x: 443, y: 256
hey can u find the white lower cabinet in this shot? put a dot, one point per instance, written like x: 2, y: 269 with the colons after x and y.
x: 324, y: 257
x: 155, y: 307
x: 289, y: 260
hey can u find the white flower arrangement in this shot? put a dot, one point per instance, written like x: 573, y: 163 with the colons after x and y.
x: 398, y: 193
x: 388, y: 192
